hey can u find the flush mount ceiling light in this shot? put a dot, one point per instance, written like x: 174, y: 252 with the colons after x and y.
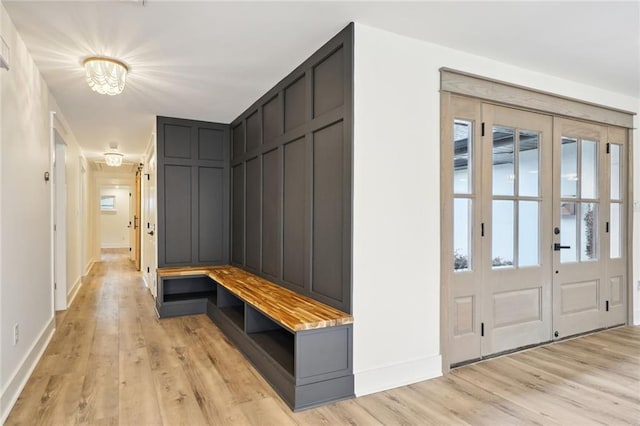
x: 106, y: 76
x: 113, y: 159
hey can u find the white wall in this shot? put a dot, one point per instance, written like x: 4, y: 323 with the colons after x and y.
x: 25, y: 274
x: 25, y: 215
x: 113, y: 224
x: 396, y: 206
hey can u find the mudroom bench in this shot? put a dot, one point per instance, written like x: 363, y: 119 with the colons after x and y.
x: 301, y: 346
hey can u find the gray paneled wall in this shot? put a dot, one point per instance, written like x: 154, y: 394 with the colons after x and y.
x: 291, y: 178
x: 193, y: 192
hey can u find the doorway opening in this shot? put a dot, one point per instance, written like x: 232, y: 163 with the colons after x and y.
x: 115, y: 226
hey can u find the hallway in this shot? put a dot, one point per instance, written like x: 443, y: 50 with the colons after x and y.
x: 112, y: 362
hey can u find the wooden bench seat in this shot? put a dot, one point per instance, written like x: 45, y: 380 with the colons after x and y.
x: 293, y: 311
x: 302, y: 347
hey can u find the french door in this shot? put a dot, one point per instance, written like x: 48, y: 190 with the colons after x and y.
x: 534, y: 218
x: 589, y: 289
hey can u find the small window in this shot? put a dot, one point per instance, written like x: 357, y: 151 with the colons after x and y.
x: 107, y: 202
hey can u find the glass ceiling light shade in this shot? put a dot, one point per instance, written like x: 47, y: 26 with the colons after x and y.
x: 105, y: 75
x: 113, y: 159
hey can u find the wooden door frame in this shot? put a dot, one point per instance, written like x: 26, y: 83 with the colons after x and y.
x: 515, y: 96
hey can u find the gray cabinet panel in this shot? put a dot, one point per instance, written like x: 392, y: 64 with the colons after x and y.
x: 211, y: 215
x: 252, y: 248
x: 253, y: 131
x: 328, y: 83
x: 177, y: 143
x: 295, y: 104
x: 193, y: 192
x: 238, y: 140
x: 271, y: 201
x: 327, y: 211
x: 271, y: 120
x: 294, y: 212
x: 305, y: 245
x: 323, y: 353
x: 177, y: 208
x: 238, y: 214
x: 211, y: 144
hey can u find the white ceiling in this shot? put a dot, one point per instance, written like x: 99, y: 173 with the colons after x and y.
x: 210, y: 60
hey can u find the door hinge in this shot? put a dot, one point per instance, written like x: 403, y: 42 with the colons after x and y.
x: 482, y: 127
x: 482, y: 229
x: 129, y: 194
x: 481, y: 329
x: 147, y: 269
x: 606, y: 306
x: 54, y: 227
x: 608, y: 148
x: 607, y: 227
x: 55, y: 286
x: 129, y: 248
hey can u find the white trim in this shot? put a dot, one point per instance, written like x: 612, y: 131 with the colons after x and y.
x: 114, y: 245
x: 88, y: 267
x: 74, y: 291
x: 636, y: 317
x: 19, y: 378
x: 393, y: 376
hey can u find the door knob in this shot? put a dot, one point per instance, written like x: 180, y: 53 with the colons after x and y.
x: 557, y: 247
x: 150, y: 233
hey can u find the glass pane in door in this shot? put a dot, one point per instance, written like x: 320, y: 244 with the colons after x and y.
x: 568, y: 235
x: 528, y: 233
x: 462, y: 135
x: 503, y: 160
x: 588, y: 231
x: 616, y: 172
x: 589, y: 170
x: 528, y: 163
x: 462, y: 234
x: 502, y: 241
x: 569, y: 168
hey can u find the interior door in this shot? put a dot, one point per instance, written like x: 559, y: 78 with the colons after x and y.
x: 589, y: 266
x: 136, y: 218
x: 516, y: 223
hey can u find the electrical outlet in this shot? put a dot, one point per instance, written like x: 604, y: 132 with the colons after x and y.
x: 16, y: 334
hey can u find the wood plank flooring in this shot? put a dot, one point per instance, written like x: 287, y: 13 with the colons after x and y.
x: 111, y: 362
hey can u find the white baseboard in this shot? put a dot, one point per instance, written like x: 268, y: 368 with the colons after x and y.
x: 74, y: 291
x: 89, y: 266
x: 636, y: 317
x: 114, y: 245
x: 19, y: 378
x: 393, y: 376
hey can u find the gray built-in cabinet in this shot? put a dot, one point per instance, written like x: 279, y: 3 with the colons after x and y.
x: 291, y: 178
x: 271, y: 194
x: 193, y: 192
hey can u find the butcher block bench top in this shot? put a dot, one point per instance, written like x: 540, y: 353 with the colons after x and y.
x: 292, y: 310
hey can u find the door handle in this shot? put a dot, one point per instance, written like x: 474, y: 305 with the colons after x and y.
x: 150, y: 233
x: 557, y: 247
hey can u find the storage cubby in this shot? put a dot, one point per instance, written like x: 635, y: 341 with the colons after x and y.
x: 300, y: 346
x: 231, y: 306
x: 184, y: 295
x: 274, y: 339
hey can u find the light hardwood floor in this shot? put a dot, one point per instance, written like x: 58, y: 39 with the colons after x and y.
x: 112, y: 362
